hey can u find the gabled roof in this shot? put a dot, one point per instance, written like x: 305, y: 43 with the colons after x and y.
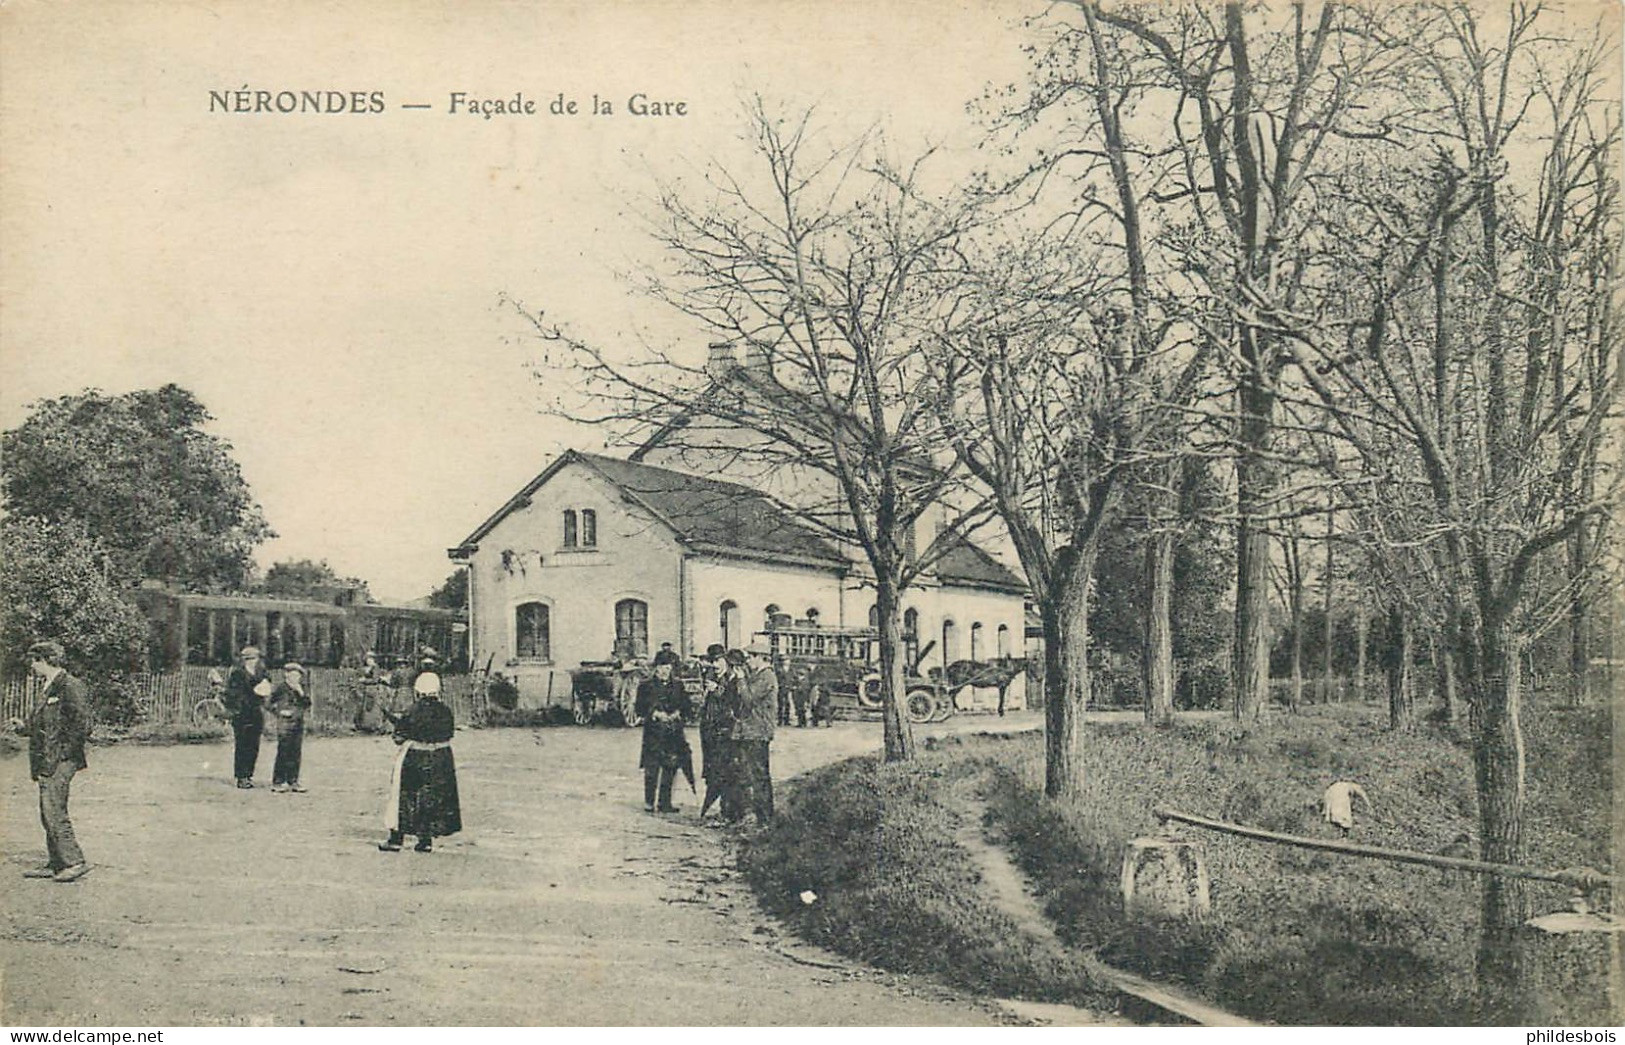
x: 706, y: 515
x: 964, y: 563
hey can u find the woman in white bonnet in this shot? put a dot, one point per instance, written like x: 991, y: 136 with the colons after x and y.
x: 423, y: 800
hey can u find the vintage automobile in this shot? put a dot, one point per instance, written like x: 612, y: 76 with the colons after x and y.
x: 838, y: 668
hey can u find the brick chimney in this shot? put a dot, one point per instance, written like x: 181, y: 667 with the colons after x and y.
x: 758, y: 358
x: 722, y: 359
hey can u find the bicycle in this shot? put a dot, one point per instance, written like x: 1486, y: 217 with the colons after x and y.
x: 211, y: 710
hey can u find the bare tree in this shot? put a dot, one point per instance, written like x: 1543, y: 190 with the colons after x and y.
x: 1475, y: 371
x: 1252, y: 99
x: 818, y: 261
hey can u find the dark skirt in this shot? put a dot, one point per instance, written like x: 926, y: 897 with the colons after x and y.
x: 428, y: 796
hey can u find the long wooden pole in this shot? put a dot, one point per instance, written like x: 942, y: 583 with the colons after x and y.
x: 1580, y: 877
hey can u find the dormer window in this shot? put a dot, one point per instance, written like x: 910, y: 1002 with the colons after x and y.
x: 569, y: 528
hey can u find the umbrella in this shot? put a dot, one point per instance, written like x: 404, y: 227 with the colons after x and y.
x: 687, y: 766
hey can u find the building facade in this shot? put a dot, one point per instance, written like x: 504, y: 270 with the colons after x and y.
x: 602, y: 559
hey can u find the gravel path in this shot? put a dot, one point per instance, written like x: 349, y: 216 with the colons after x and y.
x: 562, y: 903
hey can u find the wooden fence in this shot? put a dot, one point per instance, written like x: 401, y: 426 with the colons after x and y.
x: 169, y: 697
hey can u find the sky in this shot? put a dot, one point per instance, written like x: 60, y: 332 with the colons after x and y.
x: 332, y: 285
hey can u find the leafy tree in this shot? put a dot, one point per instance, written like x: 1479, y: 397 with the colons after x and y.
x: 59, y: 583
x: 308, y: 579
x: 163, y: 497
x: 452, y: 595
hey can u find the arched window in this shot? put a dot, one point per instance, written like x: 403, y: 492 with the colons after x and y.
x: 976, y: 651
x: 1004, y: 640
x: 569, y: 528
x: 911, y: 638
x: 733, y: 633
x: 874, y: 616
x: 632, y: 628
x: 589, y: 528
x: 950, y: 641
x: 532, y: 632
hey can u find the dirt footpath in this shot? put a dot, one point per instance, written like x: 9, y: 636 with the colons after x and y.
x: 561, y: 903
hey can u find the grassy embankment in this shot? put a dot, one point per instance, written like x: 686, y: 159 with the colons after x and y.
x: 1294, y: 936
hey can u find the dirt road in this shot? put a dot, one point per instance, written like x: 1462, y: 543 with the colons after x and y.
x: 562, y: 902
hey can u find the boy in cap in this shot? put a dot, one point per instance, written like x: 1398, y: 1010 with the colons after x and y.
x: 288, y: 705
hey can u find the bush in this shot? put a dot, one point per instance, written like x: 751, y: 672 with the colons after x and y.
x: 502, y: 693
x: 875, y: 845
x: 553, y: 715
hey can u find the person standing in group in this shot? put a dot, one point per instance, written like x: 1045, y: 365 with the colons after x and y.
x: 246, y: 690
x: 663, y: 704
x: 753, y: 731
x: 370, y: 688
x: 423, y: 788
x: 57, y: 731
x: 287, y: 706
x: 716, y: 728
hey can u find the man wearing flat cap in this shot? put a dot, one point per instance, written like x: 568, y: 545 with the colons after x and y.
x: 753, y: 730
x: 246, y: 690
x: 57, y: 731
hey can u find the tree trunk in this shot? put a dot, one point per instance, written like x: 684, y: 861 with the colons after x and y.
x: 1252, y: 656
x: 1490, y: 670
x: 1297, y: 643
x: 1444, y: 674
x: 1157, y: 656
x: 898, y: 736
x: 1066, y: 682
x: 1401, y: 710
x: 1328, y: 680
x: 1579, y: 626
x: 1361, y: 633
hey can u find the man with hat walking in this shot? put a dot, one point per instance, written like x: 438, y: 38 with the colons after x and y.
x: 57, y: 731
x: 246, y: 690
x: 753, y: 730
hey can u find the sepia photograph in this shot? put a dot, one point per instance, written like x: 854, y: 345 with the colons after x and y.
x: 987, y: 514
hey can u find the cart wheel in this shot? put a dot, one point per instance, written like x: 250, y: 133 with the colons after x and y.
x: 921, y: 705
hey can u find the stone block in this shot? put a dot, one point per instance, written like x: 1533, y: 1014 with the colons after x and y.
x: 1165, y: 877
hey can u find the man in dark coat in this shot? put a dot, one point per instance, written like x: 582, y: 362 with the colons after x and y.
x: 57, y: 731
x: 246, y: 689
x: 753, y: 731
x: 716, y: 728
x: 663, y: 704
x: 423, y: 799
